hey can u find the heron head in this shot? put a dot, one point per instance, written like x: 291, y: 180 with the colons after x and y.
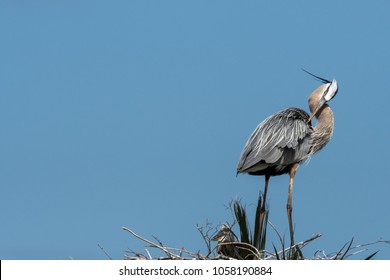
x: 327, y: 92
x: 225, y: 234
x: 322, y: 94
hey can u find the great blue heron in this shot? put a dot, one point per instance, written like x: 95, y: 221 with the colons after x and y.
x: 283, y: 140
x: 226, y: 239
x: 230, y: 247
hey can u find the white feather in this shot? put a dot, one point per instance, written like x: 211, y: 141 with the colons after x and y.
x: 332, y: 90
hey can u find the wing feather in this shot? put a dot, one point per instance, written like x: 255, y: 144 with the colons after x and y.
x: 281, y: 139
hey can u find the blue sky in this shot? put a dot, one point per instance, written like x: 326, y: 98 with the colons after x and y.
x: 134, y: 113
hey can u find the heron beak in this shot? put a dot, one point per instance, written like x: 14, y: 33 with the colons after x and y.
x: 219, y: 236
x: 319, y: 106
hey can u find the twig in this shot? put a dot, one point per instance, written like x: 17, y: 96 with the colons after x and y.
x: 138, y: 256
x: 183, y: 250
x: 147, y: 251
x: 244, y: 246
x: 370, y: 243
x: 300, y: 244
x: 104, y: 251
x: 205, y: 236
x: 169, y: 254
x: 334, y: 256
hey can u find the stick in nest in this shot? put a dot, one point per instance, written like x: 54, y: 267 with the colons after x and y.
x: 162, y: 248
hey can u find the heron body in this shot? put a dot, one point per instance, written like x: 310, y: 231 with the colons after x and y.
x: 282, y: 141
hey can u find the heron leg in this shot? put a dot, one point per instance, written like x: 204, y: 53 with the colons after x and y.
x: 265, y: 194
x: 262, y: 210
x: 293, y: 170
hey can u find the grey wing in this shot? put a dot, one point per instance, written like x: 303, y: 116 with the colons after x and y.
x: 281, y: 139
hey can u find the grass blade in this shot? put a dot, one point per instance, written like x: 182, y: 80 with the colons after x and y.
x: 371, y: 256
x: 240, y: 214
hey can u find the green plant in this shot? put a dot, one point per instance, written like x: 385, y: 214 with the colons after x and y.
x: 257, y: 239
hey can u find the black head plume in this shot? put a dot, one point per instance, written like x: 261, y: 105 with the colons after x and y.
x: 316, y: 77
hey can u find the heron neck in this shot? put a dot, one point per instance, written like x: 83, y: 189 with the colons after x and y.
x: 323, y: 130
